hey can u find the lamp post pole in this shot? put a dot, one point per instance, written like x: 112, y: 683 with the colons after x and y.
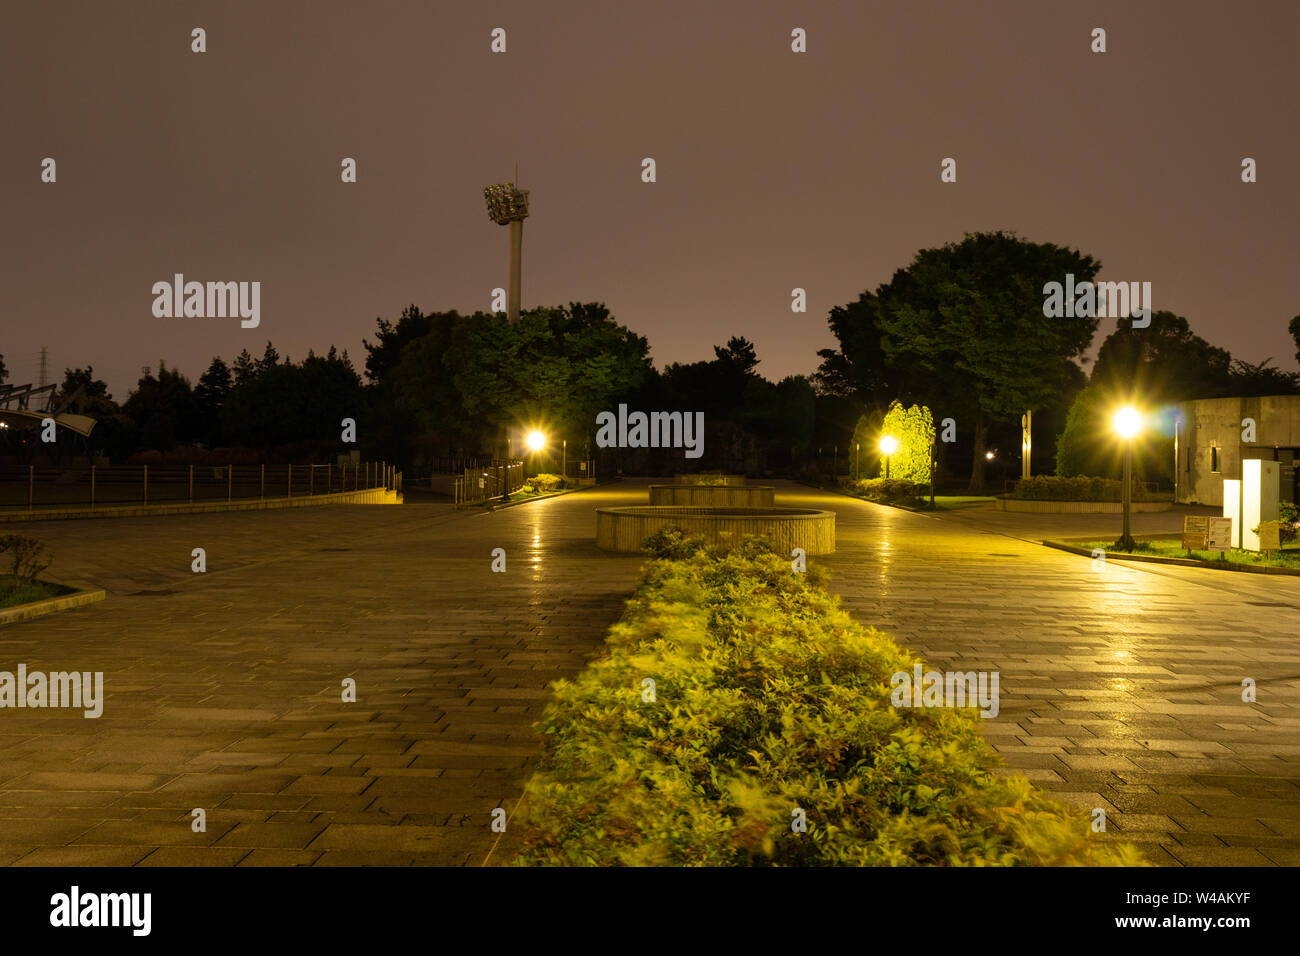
x: 932, y: 471
x: 1126, y: 539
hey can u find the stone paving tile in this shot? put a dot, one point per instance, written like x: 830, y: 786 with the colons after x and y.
x: 225, y: 694
x: 1133, y: 672
x: 1120, y: 689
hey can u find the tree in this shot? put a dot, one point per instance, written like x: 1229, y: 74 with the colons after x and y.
x: 971, y: 315
x: 1293, y: 328
x: 1164, y: 362
x: 270, y: 358
x: 913, y: 429
x: 4, y: 372
x: 1249, y: 381
x: 162, y: 409
x: 383, y: 357
x: 83, y: 394
x: 209, y: 399
x: 244, y: 368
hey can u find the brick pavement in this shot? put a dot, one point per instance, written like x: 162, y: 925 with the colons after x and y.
x: 1120, y: 689
x: 223, y: 690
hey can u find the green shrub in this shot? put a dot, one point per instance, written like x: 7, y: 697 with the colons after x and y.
x: 543, y: 484
x: 1081, y: 488
x: 26, y: 556
x: 672, y: 544
x: 770, y: 697
x: 1289, y: 515
x: 889, y: 490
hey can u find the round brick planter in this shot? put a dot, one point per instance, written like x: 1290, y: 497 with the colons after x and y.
x: 713, y: 496
x: 625, y: 529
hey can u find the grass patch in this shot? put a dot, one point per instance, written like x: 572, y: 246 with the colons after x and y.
x: 28, y: 592
x: 768, y: 698
x: 1288, y: 557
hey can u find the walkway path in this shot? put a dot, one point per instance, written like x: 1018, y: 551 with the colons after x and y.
x: 1121, y: 689
x: 224, y: 689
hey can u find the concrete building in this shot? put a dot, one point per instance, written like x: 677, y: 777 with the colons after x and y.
x: 1210, y: 444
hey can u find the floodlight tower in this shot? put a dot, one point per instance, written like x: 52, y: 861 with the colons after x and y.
x: 508, y: 205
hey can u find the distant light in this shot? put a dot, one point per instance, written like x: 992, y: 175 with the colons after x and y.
x: 988, y: 455
x: 888, y: 444
x: 536, y: 441
x: 1127, y: 422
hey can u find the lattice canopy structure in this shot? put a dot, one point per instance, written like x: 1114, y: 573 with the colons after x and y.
x: 506, y: 203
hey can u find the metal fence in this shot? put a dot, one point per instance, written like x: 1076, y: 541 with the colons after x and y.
x: 482, y: 484
x: 106, y: 486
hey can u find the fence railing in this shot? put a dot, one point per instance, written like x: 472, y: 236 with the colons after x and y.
x: 483, y: 484
x: 106, y: 486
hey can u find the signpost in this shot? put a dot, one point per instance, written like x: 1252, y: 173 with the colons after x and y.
x: 1220, y: 535
x: 1270, y: 538
x: 1196, y: 530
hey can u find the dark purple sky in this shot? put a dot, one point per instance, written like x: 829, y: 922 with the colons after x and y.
x: 775, y: 170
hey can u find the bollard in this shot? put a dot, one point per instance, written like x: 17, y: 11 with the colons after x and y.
x: 230, y: 482
x: 261, y: 493
x: 92, y: 487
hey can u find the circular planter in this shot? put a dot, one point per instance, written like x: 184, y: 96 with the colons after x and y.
x: 713, y: 496
x: 1049, y: 506
x: 625, y: 529
x: 714, y: 480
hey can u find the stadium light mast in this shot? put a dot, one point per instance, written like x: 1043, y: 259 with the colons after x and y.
x: 508, y: 205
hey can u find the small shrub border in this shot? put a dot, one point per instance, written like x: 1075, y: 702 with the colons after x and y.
x: 1081, y: 488
x: 769, y: 697
x: 890, y: 491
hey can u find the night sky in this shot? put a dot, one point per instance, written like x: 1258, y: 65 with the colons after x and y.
x: 775, y: 169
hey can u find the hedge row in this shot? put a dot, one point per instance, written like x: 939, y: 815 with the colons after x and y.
x: 1082, y: 488
x: 768, y: 698
x: 889, y: 490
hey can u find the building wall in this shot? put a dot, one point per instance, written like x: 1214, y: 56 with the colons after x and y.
x: 1213, y: 423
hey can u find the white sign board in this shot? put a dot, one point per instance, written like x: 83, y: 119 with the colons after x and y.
x: 1232, y: 507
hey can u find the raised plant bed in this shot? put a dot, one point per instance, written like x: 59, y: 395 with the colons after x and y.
x: 625, y: 529
x: 709, y: 479
x: 713, y: 496
x: 1050, y: 506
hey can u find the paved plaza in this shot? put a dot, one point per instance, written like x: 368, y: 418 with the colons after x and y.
x: 1120, y: 688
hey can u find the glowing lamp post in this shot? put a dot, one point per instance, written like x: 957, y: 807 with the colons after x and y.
x: 508, y: 206
x: 888, y: 445
x: 1127, y: 423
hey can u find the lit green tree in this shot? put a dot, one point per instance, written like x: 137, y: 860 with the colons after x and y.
x: 913, y: 428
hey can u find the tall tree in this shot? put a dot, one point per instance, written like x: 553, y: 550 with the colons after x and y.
x: 209, y: 398
x: 162, y: 408
x: 971, y: 315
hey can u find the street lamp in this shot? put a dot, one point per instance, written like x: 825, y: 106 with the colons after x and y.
x: 888, y: 445
x: 536, y: 441
x: 1127, y: 423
